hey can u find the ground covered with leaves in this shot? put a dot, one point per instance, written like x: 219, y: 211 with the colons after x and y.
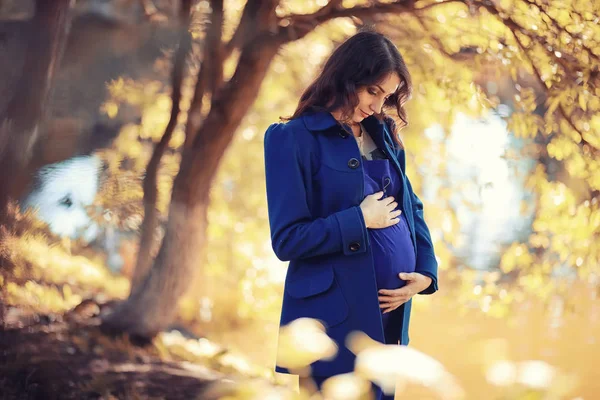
x: 52, y: 347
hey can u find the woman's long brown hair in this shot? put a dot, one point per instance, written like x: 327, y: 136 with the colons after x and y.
x: 365, y: 59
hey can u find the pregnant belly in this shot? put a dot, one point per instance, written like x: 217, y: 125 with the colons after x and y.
x: 393, y: 252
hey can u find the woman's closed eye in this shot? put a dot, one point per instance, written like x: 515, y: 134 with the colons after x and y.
x: 373, y: 92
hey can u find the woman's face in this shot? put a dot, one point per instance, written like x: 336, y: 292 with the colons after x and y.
x: 371, y: 98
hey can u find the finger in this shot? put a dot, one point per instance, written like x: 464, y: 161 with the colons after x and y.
x: 389, y: 299
x: 378, y: 194
x: 397, y: 303
x: 397, y: 212
x: 407, y: 276
x: 392, y: 301
x: 393, y: 307
x: 389, y: 200
x: 403, y: 291
x: 394, y: 297
x: 400, y: 292
x: 394, y: 221
x: 407, y: 293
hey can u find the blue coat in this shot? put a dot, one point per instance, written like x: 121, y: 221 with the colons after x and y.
x: 314, y: 181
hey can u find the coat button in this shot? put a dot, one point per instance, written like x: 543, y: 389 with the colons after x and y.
x: 353, y: 163
x: 354, y: 246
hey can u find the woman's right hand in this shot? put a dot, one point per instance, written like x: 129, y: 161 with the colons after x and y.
x: 380, y: 213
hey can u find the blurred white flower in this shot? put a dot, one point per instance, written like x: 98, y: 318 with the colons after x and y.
x: 533, y: 374
x: 346, y: 387
x: 502, y: 373
x: 389, y: 365
x: 302, y: 342
x: 536, y: 374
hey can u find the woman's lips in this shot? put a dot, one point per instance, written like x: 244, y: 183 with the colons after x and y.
x: 365, y: 115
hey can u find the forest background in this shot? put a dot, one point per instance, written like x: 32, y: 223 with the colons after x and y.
x: 139, y: 125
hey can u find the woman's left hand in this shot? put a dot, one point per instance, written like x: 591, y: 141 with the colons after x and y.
x: 390, y: 299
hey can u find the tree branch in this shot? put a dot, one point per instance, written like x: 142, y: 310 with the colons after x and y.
x: 435, y: 39
x: 256, y: 14
x: 569, y: 120
x: 558, y: 28
x: 150, y: 185
x: 513, y: 26
x: 296, y: 26
x: 331, y: 6
x: 210, y: 73
x: 148, y: 7
x: 546, y: 89
x: 213, y: 55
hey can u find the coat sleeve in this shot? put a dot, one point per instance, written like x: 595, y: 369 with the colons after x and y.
x: 426, y: 261
x: 295, y: 234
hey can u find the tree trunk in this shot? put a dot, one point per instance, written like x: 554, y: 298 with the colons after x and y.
x: 153, y: 306
x: 20, y: 121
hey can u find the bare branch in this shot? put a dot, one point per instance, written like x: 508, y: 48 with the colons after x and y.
x: 248, y: 15
x: 327, y: 13
x: 210, y: 74
x: 144, y: 260
x: 296, y: 26
x: 230, y: 103
x: 256, y: 15
x: 213, y: 54
x: 195, y: 111
x: 149, y: 7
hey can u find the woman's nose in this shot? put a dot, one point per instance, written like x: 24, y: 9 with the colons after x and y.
x: 376, y: 107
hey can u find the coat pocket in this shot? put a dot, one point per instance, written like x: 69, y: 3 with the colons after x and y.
x: 313, y: 292
x: 309, y: 281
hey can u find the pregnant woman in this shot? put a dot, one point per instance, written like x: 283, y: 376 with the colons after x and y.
x: 341, y: 208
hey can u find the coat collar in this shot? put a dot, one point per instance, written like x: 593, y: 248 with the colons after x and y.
x: 379, y: 131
